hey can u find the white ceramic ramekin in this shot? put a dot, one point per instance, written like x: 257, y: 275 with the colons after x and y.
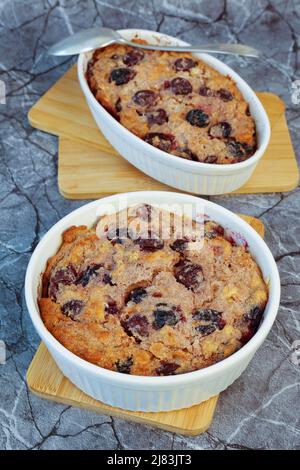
x: 151, y: 393
x: 189, y: 176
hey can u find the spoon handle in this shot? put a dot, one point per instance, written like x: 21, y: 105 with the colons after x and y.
x: 231, y: 49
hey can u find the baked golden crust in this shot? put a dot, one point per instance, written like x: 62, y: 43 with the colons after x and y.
x: 175, y: 102
x: 151, y: 306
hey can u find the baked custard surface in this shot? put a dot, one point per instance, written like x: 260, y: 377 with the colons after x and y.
x: 175, y: 102
x: 151, y: 306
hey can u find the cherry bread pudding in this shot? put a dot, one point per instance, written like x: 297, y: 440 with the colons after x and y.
x: 175, y: 102
x: 151, y: 305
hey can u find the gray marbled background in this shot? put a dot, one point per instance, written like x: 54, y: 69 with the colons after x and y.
x: 261, y: 410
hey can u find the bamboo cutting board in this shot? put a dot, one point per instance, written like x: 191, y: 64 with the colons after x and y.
x: 46, y: 380
x: 88, y: 167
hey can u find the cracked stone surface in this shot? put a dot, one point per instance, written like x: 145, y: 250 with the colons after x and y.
x: 260, y: 410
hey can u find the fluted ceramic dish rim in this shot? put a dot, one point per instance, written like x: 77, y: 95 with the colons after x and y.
x: 155, y: 382
x: 175, y: 161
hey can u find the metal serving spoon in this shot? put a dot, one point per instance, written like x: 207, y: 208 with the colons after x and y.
x: 94, y: 38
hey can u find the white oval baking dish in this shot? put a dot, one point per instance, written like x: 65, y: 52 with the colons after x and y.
x: 189, y: 176
x: 151, y: 393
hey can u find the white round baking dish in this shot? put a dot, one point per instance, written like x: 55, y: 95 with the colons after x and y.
x: 151, y: 393
x: 189, y: 176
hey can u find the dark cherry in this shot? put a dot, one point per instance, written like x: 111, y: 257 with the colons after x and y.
x: 246, y: 336
x: 164, y: 314
x: 188, y: 154
x: 65, y: 276
x: 181, y: 86
x: 207, y: 314
x: 90, y: 273
x: 220, y: 130
x: 254, y: 316
x: 72, y: 308
x: 107, y: 279
x: 213, y: 319
x: 133, y: 57
x: 198, y: 118
x: 90, y: 67
x: 206, y: 91
x: 136, y: 295
x: 249, y: 150
x: 117, y: 235
x: 159, y: 116
x: 118, y: 105
x: 211, y: 159
x: 213, y: 232
x: 157, y: 294
x: 121, y: 76
x: 184, y: 64
x: 165, y: 142
x: 145, y: 98
x: 189, y: 274
x: 179, y: 245
x: 167, y: 368
x: 150, y: 244
x: 136, y: 325
x: 225, y: 95
x: 124, y: 366
x: 236, y: 149
x: 206, y: 330
x: 111, y: 307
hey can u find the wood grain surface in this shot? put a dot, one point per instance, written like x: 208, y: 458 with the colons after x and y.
x: 89, y: 167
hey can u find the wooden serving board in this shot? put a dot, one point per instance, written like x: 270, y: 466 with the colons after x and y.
x: 89, y: 167
x: 46, y: 380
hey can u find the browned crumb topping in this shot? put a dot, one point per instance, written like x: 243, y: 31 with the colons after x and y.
x: 175, y: 102
x: 152, y: 306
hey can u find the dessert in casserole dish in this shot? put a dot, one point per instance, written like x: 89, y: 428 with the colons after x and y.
x: 185, y: 170
x: 129, y: 299
x: 175, y: 102
x: 141, y: 392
